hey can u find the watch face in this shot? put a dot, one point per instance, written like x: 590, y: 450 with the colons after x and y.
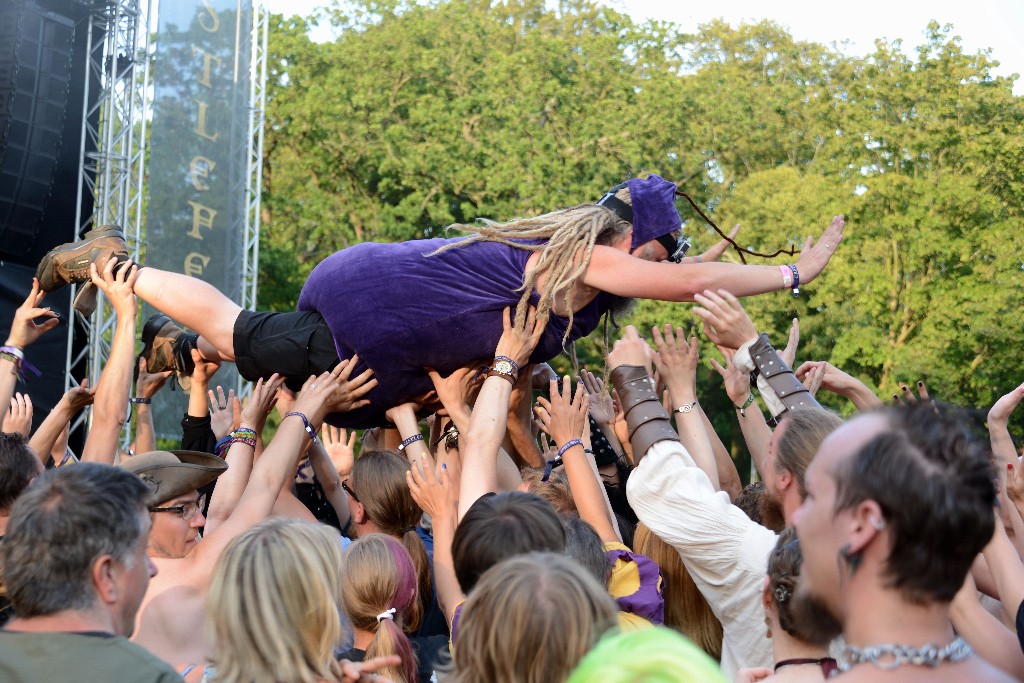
x: 504, y: 367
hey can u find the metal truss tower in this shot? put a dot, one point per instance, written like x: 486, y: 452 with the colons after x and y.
x: 120, y: 56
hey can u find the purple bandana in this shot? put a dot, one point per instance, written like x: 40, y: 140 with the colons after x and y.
x: 654, y: 209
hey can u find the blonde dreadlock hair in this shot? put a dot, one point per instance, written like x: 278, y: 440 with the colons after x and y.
x: 567, y: 238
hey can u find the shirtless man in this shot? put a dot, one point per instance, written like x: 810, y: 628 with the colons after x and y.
x: 437, y: 304
x: 899, y: 504
x: 171, y: 619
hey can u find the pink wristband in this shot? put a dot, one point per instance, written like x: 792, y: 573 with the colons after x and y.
x: 787, y: 277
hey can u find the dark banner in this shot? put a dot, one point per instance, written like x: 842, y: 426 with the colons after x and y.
x: 198, y: 149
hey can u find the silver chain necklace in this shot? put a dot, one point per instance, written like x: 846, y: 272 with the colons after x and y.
x: 892, y: 656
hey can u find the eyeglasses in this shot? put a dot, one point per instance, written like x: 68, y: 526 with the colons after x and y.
x: 675, y: 246
x: 186, y: 510
x: 348, y: 490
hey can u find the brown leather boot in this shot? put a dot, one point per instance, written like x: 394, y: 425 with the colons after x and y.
x: 165, y: 346
x: 70, y: 262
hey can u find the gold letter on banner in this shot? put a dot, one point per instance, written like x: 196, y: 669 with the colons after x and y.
x: 199, y: 170
x: 212, y: 21
x: 194, y: 264
x: 202, y: 217
x: 208, y: 61
x: 201, y: 123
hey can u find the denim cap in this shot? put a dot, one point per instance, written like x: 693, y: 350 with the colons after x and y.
x: 654, y: 209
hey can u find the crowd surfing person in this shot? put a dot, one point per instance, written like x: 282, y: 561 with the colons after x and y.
x: 213, y: 568
x: 573, y: 265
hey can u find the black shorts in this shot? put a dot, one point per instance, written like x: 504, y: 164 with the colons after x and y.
x: 295, y: 345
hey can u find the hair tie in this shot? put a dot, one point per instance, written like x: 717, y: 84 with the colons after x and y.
x: 407, y: 529
x: 386, y: 614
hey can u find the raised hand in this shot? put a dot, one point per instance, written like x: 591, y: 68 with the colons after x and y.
x: 24, y: 329
x: 80, y: 396
x: 630, y: 349
x: 563, y: 417
x: 814, y: 256
x: 1001, y: 410
x: 261, y: 402
x: 519, y: 344
x: 340, y: 447
x: 223, y: 411
x: 335, y: 391
x: 737, y: 382
x: 433, y: 491
x: 676, y: 361
x: 715, y: 252
x: 149, y: 383
x: 789, y: 353
x: 726, y: 322
x: 118, y: 282
x: 18, y: 420
x: 602, y: 406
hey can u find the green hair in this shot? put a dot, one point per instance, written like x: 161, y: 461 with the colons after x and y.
x: 652, y: 655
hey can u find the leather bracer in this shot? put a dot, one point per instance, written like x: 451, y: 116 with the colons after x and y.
x: 779, y: 376
x: 646, y: 419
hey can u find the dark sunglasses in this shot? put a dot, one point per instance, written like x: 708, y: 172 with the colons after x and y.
x: 348, y: 490
x: 675, y: 246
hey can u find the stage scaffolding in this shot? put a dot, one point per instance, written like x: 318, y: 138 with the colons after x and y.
x: 120, y: 54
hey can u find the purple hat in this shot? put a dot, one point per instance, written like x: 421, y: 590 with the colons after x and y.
x: 653, y: 213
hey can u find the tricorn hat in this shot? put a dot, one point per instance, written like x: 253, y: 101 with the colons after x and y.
x: 172, y: 473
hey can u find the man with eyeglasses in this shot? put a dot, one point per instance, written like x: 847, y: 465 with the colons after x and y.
x: 171, y: 621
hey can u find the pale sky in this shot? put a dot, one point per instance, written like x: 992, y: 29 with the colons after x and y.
x: 995, y: 24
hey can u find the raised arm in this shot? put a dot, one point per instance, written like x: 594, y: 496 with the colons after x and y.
x: 435, y: 493
x: 333, y: 391
x: 756, y: 432
x: 998, y: 418
x: 146, y: 386
x: 332, y: 459
x: 676, y: 361
x: 24, y: 331
x: 480, y: 444
x: 564, y: 419
x: 616, y: 272
x: 110, y: 407
x: 73, y: 400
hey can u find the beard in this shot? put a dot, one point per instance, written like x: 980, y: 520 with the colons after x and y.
x: 619, y: 307
x: 772, y: 514
x: 815, y: 623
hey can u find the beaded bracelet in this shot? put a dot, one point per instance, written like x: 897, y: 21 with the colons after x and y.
x: 223, y: 443
x: 408, y: 442
x: 247, y: 440
x: 244, y: 431
x: 305, y: 425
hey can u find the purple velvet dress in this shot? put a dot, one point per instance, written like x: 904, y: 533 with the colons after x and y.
x: 403, y: 311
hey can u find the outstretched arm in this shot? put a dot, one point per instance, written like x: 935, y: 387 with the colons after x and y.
x: 110, y: 407
x: 616, y: 272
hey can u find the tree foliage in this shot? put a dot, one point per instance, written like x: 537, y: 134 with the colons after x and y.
x: 424, y: 115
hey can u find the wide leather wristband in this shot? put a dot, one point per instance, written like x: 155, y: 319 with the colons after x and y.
x: 646, y: 419
x: 769, y: 365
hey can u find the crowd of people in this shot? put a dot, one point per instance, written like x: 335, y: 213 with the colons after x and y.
x: 494, y: 522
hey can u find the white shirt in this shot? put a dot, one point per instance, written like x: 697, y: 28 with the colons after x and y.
x: 725, y: 552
